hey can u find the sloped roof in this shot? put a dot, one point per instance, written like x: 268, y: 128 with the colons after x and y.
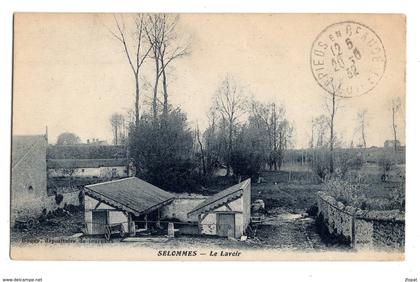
x: 22, y: 145
x: 130, y: 194
x: 85, y: 163
x: 86, y: 151
x: 221, y: 198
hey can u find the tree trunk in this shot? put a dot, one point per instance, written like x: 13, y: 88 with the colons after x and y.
x: 394, y: 127
x: 203, y: 162
x: 230, y: 145
x: 165, y: 91
x: 155, y: 89
x: 332, y: 135
x: 137, y: 101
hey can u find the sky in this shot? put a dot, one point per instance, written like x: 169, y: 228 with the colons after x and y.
x: 71, y: 74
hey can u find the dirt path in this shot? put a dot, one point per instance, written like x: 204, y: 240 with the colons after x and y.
x: 287, y: 230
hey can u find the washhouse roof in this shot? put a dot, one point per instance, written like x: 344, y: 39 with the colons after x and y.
x: 130, y: 194
x: 221, y: 198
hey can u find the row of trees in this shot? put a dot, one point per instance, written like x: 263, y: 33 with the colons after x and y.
x: 242, y: 135
x: 159, y: 139
x: 323, y: 133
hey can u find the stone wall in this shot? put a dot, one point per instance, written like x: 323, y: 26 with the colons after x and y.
x: 362, y: 229
x: 181, y: 206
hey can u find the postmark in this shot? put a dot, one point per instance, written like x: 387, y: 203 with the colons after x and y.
x: 348, y: 59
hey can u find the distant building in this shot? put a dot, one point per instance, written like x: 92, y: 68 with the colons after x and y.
x: 97, y: 168
x: 94, y: 141
x: 392, y: 143
x: 29, y: 176
x: 74, y: 166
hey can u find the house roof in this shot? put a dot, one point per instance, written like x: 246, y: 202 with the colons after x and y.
x: 221, y: 198
x: 86, y: 151
x: 86, y: 163
x: 23, y: 144
x: 130, y: 194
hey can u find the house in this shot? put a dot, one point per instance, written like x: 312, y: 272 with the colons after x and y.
x: 130, y: 203
x: 227, y: 213
x: 96, y: 161
x: 29, y: 176
x: 30, y: 196
x: 71, y: 167
x: 392, y: 143
x: 99, y: 168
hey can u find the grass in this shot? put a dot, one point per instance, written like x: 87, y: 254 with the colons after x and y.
x: 294, y: 197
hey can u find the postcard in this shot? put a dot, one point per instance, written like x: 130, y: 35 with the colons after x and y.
x: 208, y: 137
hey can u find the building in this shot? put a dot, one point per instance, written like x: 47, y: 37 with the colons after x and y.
x: 130, y: 204
x: 392, y: 144
x: 29, y: 176
x: 71, y: 167
x: 99, y: 168
x: 227, y: 213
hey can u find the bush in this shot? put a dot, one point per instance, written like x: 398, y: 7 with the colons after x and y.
x: 162, y: 150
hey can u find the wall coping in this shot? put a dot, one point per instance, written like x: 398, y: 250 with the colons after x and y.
x: 373, y: 215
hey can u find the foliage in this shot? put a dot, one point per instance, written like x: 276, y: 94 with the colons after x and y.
x: 117, y: 123
x: 397, y: 197
x: 68, y: 138
x: 246, y: 146
x: 343, y: 190
x: 163, y: 151
x: 320, y: 162
x: 386, y: 162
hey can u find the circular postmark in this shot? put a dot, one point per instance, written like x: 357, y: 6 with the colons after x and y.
x: 348, y: 59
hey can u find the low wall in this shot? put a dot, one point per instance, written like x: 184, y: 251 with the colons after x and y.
x: 362, y: 229
x: 34, y: 208
x: 181, y: 206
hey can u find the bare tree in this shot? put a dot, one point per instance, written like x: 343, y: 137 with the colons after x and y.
x: 166, y: 47
x: 202, y: 155
x: 395, y: 108
x: 135, y: 57
x: 117, y: 125
x: 278, y: 130
x: 321, y: 124
x: 230, y: 103
x: 332, y: 107
x: 312, y: 140
x: 361, y: 120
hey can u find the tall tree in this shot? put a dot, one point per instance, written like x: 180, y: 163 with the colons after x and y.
x: 321, y: 125
x: 277, y: 130
x: 361, y: 119
x: 164, y: 153
x: 117, y: 125
x: 395, y: 108
x: 230, y: 103
x: 135, y: 56
x: 332, y: 108
x: 166, y: 47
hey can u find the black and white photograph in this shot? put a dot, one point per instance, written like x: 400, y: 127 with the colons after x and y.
x: 162, y: 136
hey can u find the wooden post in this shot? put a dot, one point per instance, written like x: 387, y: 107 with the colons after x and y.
x: 353, y: 232
x: 158, y: 218
x: 199, y: 223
